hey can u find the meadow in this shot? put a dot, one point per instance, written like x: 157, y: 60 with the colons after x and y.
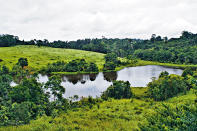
x: 39, y: 57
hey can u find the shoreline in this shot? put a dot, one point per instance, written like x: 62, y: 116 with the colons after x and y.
x: 139, y: 63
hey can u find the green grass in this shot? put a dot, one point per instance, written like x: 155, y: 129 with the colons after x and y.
x: 182, y: 66
x: 39, y: 57
x: 124, y: 114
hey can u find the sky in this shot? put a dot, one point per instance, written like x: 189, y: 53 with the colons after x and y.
x: 79, y: 19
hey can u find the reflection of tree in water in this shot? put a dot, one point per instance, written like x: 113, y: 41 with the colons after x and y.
x: 93, y: 76
x: 79, y: 78
x: 110, y: 76
x: 73, y: 78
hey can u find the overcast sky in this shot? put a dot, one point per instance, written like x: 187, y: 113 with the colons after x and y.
x: 78, y: 19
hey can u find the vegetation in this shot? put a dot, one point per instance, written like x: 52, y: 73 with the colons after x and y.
x: 118, y: 90
x: 45, y: 109
x: 180, y: 50
x: 29, y: 99
x: 125, y: 114
x: 168, y: 103
x: 78, y: 65
x: 39, y: 57
x: 166, y: 86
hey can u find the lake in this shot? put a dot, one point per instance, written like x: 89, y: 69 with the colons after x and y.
x: 94, y: 84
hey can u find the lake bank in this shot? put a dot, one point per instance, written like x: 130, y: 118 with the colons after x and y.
x: 94, y: 84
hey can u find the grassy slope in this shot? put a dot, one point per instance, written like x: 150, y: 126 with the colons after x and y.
x: 123, y: 114
x: 142, y: 62
x: 40, y: 56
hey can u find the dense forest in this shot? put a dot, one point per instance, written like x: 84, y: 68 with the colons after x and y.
x: 182, y: 50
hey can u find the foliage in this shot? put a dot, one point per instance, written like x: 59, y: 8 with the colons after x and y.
x: 39, y: 57
x: 168, y: 117
x: 166, y: 87
x: 111, y: 61
x: 109, y: 66
x: 180, y: 50
x: 22, y: 62
x: 78, y: 65
x: 163, y: 74
x: 123, y: 114
x: 187, y: 71
x: 54, y: 86
x: 118, y: 90
x: 28, y: 100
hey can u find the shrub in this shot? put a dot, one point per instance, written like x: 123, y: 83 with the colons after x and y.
x: 109, y: 66
x: 182, y: 117
x: 166, y: 87
x: 22, y: 62
x: 118, y: 90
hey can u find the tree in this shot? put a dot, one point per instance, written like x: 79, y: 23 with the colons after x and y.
x: 153, y: 37
x: 54, y: 85
x: 92, y: 68
x: 5, y: 70
x: 111, y: 57
x: 158, y: 38
x: 165, y: 39
x: 163, y: 74
x: 187, y: 71
x: 186, y: 34
x: 22, y: 62
x: 109, y: 66
x: 166, y: 87
x: 118, y: 90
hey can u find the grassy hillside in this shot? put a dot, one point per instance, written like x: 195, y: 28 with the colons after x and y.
x: 41, y: 56
x: 125, y: 114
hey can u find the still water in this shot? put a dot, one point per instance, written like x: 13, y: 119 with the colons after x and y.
x: 94, y: 84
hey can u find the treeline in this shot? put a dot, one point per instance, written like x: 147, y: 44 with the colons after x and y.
x: 78, y: 65
x: 182, y: 50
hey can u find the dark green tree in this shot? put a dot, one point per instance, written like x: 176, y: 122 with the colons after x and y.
x: 166, y: 87
x: 54, y: 85
x: 22, y: 62
x: 118, y: 90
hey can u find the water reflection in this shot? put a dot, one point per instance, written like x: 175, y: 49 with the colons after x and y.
x: 93, y: 84
x: 110, y: 76
x: 82, y: 78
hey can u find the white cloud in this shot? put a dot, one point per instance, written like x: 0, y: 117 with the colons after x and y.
x: 78, y: 19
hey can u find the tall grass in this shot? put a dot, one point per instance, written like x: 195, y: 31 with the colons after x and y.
x: 124, y: 114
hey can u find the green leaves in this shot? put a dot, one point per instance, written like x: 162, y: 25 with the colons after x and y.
x: 22, y: 62
x: 166, y: 86
x: 55, y: 88
x: 118, y: 90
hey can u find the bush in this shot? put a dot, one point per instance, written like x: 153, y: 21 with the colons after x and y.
x: 166, y: 87
x: 92, y: 68
x: 118, y: 90
x: 109, y: 66
x: 22, y: 62
x: 78, y: 65
x: 187, y: 71
x: 182, y: 117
